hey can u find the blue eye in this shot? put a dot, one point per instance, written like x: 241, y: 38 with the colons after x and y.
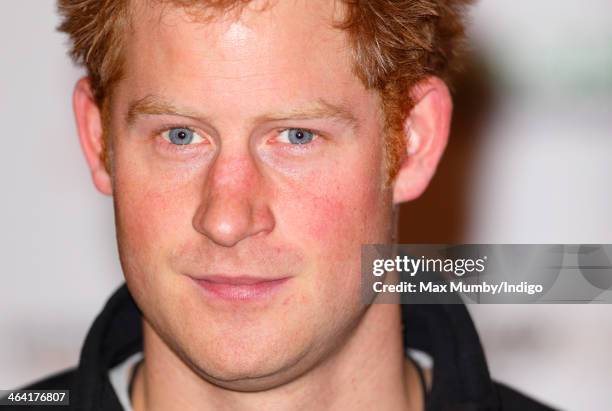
x: 296, y: 136
x: 181, y: 136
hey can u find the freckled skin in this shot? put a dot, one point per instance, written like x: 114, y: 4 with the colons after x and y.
x: 240, y: 204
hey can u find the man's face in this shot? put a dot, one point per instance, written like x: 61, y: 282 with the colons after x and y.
x: 246, y: 150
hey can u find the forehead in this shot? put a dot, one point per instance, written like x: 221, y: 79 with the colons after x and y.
x: 288, y: 49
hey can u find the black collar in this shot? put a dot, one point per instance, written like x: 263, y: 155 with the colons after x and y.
x: 461, y: 379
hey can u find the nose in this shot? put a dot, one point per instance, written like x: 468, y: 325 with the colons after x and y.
x: 234, y: 204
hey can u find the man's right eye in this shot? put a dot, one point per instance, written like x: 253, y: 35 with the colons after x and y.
x: 181, y: 136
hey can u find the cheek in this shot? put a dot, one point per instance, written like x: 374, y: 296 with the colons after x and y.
x: 334, y: 216
x: 151, y: 214
x: 353, y: 207
x: 333, y: 222
x: 142, y: 217
x: 154, y: 198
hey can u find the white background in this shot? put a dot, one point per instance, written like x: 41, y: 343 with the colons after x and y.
x: 543, y: 176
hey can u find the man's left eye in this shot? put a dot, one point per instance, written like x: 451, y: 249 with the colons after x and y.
x: 181, y: 136
x: 296, y: 136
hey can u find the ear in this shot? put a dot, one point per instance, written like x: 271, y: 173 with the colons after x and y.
x: 426, y: 130
x: 90, y: 129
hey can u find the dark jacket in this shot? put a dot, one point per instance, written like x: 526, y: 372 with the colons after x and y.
x: 461, y: 380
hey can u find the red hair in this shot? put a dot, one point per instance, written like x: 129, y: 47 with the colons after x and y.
x: 395, y: 44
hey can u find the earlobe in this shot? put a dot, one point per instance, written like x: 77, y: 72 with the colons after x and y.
x: 426, y: 130
x: 90, y: 129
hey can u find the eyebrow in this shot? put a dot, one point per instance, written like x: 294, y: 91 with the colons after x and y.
x: 152, y: 105
x: 317, y: 110
x: 157, y: 105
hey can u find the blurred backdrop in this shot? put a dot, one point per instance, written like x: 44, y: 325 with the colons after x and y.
x: 528, y: 162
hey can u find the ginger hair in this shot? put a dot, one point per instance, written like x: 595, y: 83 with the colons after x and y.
x: 395, y: 43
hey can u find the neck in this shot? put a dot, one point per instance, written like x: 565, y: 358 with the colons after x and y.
x: 368, y: 372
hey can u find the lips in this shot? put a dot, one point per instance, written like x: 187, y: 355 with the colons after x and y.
x: 240, y: 288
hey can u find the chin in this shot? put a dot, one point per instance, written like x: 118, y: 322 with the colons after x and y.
x: 242, y: 351
x: 251, y: 379
x: 262, y: 358
x: 246, y: 361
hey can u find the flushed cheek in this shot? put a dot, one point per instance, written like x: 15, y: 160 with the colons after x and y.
x: 149, y: 222
x: 340, y: 213
x: 329, y: 219
x: 329, y: 229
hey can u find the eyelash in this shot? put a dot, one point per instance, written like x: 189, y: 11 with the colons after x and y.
x: 177, y: 148
x: 165, y: 145
x: 301, y: 147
